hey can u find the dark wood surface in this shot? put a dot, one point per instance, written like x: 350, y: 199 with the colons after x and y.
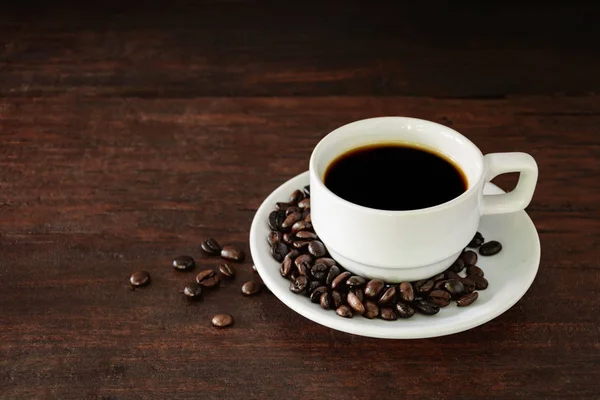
x: 130, y: 132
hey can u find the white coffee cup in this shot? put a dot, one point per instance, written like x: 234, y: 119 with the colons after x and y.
x: 410, y: 245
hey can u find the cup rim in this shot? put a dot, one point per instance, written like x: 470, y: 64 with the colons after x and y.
x: 457, y: 200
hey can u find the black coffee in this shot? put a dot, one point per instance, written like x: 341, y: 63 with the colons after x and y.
x: 395, y: 177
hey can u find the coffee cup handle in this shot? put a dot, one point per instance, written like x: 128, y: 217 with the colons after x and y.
x: 520, y: 196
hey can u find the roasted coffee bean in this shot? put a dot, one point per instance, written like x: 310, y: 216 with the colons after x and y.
x: 388, y: 314
x: 279, y: 251
x: 233, y: 254
x: 490, y: 248
x: 307, y: 217
x: 296, y: 196
x: 334, y: 271
x: 404, y: 310
x: 280, y: 206
x: 355, y: 280
x: 222, y: 320
x: 300, y: 244
x: 303, y: 258
x: 210, y: 282
x: 319, y: 272
x: 423, y: 286
x: 468, y: 284
x: 454, y: 287
x: 288, y: 238
x: 440, y: 284
x: 407, y: 292
x: 480, y: 282
x: 303, y: 268
x: 299, y: 284
x: 286, y: 267
x: 211, y: 247
x: 374, y: 288
x: 425, y: 307
x: 326, y: 301
x: 325, y: 260
x: 294, y: 275
x: 291, y: 210
x: 292, y: 254
x: 250, y: 288
x: 301, y: 226
x: 389, y: 296
x: 193, y: 291
x: 340, y: 280
x: 306, y: 214
x: 371, y: 310
x: 312, y: 285
x: 337, y: 298
x: 467, y: 299
x: 451, y: 275
x: 317, y: 248
x: 476, y: 241
x: 359, y: 293
x: 276, y: 218
x: 139, y: 278
x: 474, y: 270
x: 291, y: 220
x: 304, y: 204
x: 355, y: 303
x: 457, y: 266
x: 438, y: 277
x: 469, y: 257
x: 183, y: 263
x: 306, y: 191
x: 306, y: 235
x: 274, y: 237
x: 315, y: 295
x: 440, y: 297
x: 205, y: 274
x: 344, y: 311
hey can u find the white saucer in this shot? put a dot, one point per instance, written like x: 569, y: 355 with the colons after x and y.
x: 510, y: 273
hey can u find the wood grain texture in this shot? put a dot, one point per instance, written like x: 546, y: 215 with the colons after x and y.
x: 130, y: 134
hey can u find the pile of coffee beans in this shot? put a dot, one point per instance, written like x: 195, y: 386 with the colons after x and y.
x: 313, y: 273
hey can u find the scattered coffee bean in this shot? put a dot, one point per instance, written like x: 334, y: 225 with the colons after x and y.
x: 469, y: 257
x: 222, y: 320
x: 305, y: 214
x: 468, y: 284
x: 407, y: 292
x: 211, y: 282
x: 344, y: 311
x: 404, y: 310
x: 440, y: 297
x: 211, y: 247
x: 308, y: 218
x: 454, y: 287
x: 286, y: 267
x: 426, y: 308
x: 440, y: 284
x: 374, y: 288
x: 457, y: 266
x: 306, y: 191
x: 319, y: 271
x: 250, y: 288
x: 280, y: 206
x: 423, y: 286
x: 274, y: 237
x: 438, y: 277
x: 480, y: 282
x: 300, y: 244
x: 315, y: 295
x: 355, y: 280
x: 293, y: 254
x: 304, y: 203
x: 279, y: 251
x: 334, y: 271
x: 205, y: 274
x: 371, y: 310
x: 317, y: 248
x: 299, y: 284
x: 337, y: 298
x: 291, y: 210
x: 490, y: 248
x: 303, y: 268
x: 325, y: 260
x: 467, y: 299
x: 296, y: 196
x: 312, y: 285
x: 291, y: 220
x: 183, y: 263
x: 476, y: 241
x: 233, y: 254
x: 389, y: 296
x: 276, y: 218
x: 359, y: 293
x: 288, y: 238
x: 451, y: 275
x: 388, y: 314
x: 474, y: 270
x: 340, y: 280
x: 355, y: 303
x: 139, y: 278
x: 306, y: 235
x: 193, y: 291
x: 326, y: 301
x: 303, y: 258
x: 301, y: 226
x: 227, y: 271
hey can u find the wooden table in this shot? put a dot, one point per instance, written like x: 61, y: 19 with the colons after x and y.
x: 131, y: 132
